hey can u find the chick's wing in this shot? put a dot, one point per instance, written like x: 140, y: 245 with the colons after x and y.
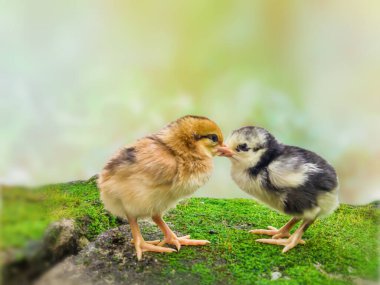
x: 148, y: 161
x: 155, y: 162
x: 288, y: 172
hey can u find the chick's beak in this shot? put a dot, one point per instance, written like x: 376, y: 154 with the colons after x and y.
x: 224, y: 151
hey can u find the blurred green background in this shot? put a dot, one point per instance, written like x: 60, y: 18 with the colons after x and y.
x: 79, y: 79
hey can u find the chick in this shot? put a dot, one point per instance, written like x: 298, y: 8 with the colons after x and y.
x: 289, y: 179
x: 148, y: 177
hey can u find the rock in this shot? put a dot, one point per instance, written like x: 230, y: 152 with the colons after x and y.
x: 110, y: 259
x: 83, y: 242
x: 275, y: 275
x: 60, y: 239
x: 61, y: 236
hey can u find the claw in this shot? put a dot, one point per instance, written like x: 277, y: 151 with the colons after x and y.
x: 185, y: 240
x: 264, y: 232
x: 288, y: 247
x: 287, y: 243
x: 177, y: 245
x: 155, y: 242
x: 139, y: 254
x: 145, y: 246
x: 171, y: 237
x: 185, y: 237
x: 273, y: 241
x: 272, y: 228
x: 274, y: 232
x: 278, y: 235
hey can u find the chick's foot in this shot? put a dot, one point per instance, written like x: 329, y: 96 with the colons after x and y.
x: 171, y: 237
x: 154, y: 242
x: 274, y: 232
x: 145, y: 246
x: 287, y: 243
x: 278, y: 233
x: 185, y: 240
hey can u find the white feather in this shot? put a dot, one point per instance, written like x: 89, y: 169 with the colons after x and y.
x: 254, y: 188
x: 290, y: 173
x: 328, y: 202
x: 141, y: 200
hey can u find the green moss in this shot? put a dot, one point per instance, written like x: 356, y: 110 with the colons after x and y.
x: 338, y: 249
x: 27, y: 212
x: 24, y: 216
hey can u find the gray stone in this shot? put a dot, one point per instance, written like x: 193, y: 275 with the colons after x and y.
x: 60, y: 239
x: 275, y: 275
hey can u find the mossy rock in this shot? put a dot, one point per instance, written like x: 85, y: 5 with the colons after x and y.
x: 340, y: 249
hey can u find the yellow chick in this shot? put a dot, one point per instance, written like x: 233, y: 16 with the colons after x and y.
x: 148, y: 177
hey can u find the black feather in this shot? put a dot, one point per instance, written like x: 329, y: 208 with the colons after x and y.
x: 305, y: 196
x: 273, y: 150
x: 126, y: 156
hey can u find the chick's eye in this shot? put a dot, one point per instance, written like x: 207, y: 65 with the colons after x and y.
x: 213, y: 137
x: 242, y: 147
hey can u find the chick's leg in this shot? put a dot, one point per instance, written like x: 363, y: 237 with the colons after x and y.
x: 140, y: 244
x: 284, y: 231
x: 171, y: 237
x: 293, y: 240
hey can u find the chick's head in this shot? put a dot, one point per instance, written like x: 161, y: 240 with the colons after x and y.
x: 250, y: 144
x: 201, y: 135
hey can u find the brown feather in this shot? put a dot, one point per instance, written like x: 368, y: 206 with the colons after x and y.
x: 151, y: 175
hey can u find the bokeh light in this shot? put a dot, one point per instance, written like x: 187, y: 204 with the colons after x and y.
x: 80, y: 79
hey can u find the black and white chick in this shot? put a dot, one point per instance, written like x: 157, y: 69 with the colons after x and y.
x: 289, y: 179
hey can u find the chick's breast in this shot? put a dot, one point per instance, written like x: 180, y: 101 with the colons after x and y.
x: 138, y: 180
x: 148, y: 178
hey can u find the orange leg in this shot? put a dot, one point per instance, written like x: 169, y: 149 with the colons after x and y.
x: 140, y: 244
x: 171, y: 238
x: 278, y: 233
x: 293, y: 240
